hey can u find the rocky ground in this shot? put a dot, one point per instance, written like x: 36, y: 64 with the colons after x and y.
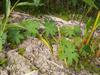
x: 37, y: 59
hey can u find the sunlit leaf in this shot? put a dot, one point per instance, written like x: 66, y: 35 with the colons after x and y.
x: 1, y: 44
x: 68, y: 51
x: 15, y: 36
x: 2, y: 40
x: 77, y: 30
x: 90, y: 3
x: 37, y: 3
x: 6, y: 5
x: 50, y: 28
x: 25, y: 3
x: 88, y: 25
x: 77, y: 41
x: 67, y: 31
x: 31, y: 26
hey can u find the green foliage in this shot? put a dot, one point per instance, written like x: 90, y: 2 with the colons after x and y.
x: 70, y: 41
x: 15, y: 36
x: 77, y: 30
x: 88, y: 25
x: 25, y: 3
x: 98, y: 23
x: 50, y: 28
x: 69, y: 31
x: 7, y: 6
x: 85, y: 51
x: 95, y: 26
x: 1, y: 44
x: 3, y: 25
x: 3, y: 62
x: 2, y: 40
x: 91, y: 3
x: 73, y: 2
x: 21, y: 30
x: 68, y: 51
x: 35, y: 3
x: 77, y: 41
x: 31, y: 26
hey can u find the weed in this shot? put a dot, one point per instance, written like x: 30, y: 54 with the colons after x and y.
x: 21, y: 51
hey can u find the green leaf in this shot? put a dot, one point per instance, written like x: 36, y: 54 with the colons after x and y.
x: 90, y: 3
x: 88, y: 25
x: 98, y: 23
x: 68, y: 51
x: 72, y: 57
x: 6, y: 5
x: 74, y: 2
x: 1, y: 44
x: 15, y: 36
x: 2, y: 40
x: 0, y: 25
x: 31, y: 26
x: 85, y: 50
x: 15, y: 25
x: 77, y: 41
x: 67, y: 31
x: 50, y: 28
x: 61, y: 54
x: 37, y: 3
x: 3, y: 62
x: 77, y: 30
x: 25, y: 3
x: 4, y: 37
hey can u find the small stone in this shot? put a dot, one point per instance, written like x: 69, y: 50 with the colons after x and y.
x: 17, y: 64
x: 32, y: 73
x: 3, y: 71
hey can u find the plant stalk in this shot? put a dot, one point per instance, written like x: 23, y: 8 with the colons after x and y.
x: 94, y: 28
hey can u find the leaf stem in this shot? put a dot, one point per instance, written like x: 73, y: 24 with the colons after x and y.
x: 14, y: 6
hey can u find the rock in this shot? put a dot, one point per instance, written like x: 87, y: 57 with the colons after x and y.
x: 17, y: 64
x: 39, y: 55
x: 84, y: 72
x: 32, y: 73
x: 17, y: 17
x: 3, y: 71
x: 60, y: 22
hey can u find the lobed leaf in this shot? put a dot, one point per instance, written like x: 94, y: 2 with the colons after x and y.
x: 15, y: 36
x: 68, y: 51
x: 31, y: 26
x: 50, y: 28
